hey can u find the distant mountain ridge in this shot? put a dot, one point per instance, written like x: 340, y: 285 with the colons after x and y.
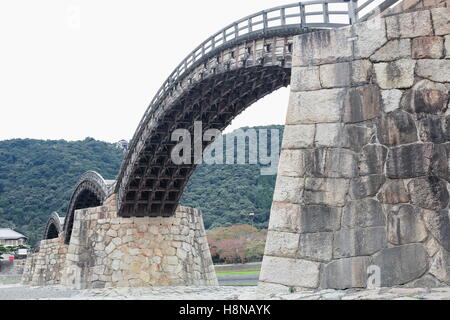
x: 37, y: 178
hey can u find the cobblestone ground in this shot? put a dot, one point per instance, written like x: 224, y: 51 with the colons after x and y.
x: 19, y: 292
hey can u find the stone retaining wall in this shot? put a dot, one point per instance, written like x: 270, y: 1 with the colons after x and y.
x: 363, y: 178
x: 412, y: 5
x: 11, y: 268
x: 106, y: 251
x: 45, y: 267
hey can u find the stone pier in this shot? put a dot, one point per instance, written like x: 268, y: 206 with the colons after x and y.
x: 107, y: 251
x: 362, y: 193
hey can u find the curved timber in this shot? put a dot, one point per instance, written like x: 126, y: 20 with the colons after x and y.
x: 55, y: 225
x: 218, y: 80
x: 90, y: 191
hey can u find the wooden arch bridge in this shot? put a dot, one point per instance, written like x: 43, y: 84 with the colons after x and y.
x: 219, y: 79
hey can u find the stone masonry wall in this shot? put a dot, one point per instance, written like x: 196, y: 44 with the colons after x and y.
x: 413, y: 5
x: 106, y: 251
x: 45, y: 267
x: 363, y: 179
x: 11, y: 271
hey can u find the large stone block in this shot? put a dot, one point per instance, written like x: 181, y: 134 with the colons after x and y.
x: 405, y: 225
x: 329, y: 135
x: 371, y: 36
x: 394, y: 192
x: 391, y: 99
x: 372, y: 160
x: 327, y: 46
x: 319, y: 218
x: 428, y: 48
x: 289, y: 189
x: 397, y: 128
x: 316, y: 246
x: 401, y: 264
x: 362, y: 103
x: 431, y: 129
x: 429, y: 193
x: 335, y: 75
x: 356, y: 136
x: 427, y: 97
x: 434, y: 3
x: 294, y: 163
x: 290, y: 272
x: 346, y: 273
x: 440, y: 266
x: 305, y: 79
x: 427, y: 281
x: 298, y: 136
x: 409, y: 161
x: 432, y: 246
x: 409, y: 25
x: 338, y: 135
x: 362, y: 71
x: 404, y: 6
x: 441, y: 17
x: 433, y: 69
x: 363, y: 214
x: 367, y: 186
x: 393, y: 50
x: 285, y: 217
x: 359, y: 242
x: 312, y: 107
x: 438, y: 223
x: 334, y: 163
x: 326, y: 191
x: 398, y: 74
x: 282, y: 244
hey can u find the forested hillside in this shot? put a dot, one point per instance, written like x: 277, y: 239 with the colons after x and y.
x: 37, y: 177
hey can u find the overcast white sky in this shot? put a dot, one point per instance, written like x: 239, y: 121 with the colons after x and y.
x: 70, y: 69
x: 61, y: 81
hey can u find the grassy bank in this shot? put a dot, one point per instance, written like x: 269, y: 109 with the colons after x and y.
x: 230, y: 273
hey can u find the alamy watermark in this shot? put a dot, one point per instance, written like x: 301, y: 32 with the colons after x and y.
x: 241, y: 147
x: 73, y: 17
x: 373, y: 277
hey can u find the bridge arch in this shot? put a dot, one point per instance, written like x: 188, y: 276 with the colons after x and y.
x: 90, y: 191
x: 228, y: 72
x: 54, y: 226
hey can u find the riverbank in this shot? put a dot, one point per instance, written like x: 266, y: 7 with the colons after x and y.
x: 21, y: 292
x: 238, y: 274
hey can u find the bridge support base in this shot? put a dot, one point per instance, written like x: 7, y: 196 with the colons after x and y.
x: 362, y: 193
x: 107, y: 251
